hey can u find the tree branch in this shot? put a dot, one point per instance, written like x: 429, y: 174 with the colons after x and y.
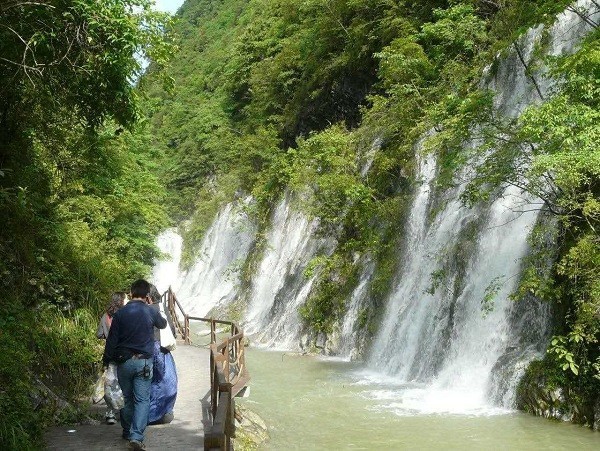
x: 530, y: 76
x: 15, y: 4
x: 585, y: 17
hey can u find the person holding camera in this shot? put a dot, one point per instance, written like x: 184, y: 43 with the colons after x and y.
x: 130, y: 344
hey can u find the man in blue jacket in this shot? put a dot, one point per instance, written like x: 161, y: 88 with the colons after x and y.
x: 130, y: 344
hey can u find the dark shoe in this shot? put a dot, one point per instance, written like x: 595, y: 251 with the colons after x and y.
x: 125, y: 435
x: 167, y: 418
x: 134, y: 444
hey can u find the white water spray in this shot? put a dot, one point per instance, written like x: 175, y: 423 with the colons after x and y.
x: 437, y: 347
x: 280, y: 286
x: 213, y: 280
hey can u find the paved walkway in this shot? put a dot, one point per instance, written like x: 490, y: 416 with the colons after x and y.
x: 185, y: 432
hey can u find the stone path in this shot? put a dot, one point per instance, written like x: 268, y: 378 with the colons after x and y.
x: 185, y: 432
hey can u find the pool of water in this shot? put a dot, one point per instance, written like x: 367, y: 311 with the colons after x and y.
x: 312, y: 403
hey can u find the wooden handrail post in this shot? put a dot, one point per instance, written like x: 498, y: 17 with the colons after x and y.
x: 226, y: 362
x: 230, y: 418
x: 214, y: 386
x: 186, y: 326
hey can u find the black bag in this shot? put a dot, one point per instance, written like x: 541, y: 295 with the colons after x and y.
x: 123, y: 355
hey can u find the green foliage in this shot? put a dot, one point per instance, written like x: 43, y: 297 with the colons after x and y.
x: 81, y: 204
x: 283, y: 95
x: 58, y: 354
x: 563, y: 355
x: 15, y: 364
x: 536, y: 276
x: 456, y: 32
x: 257, y: 82
x: 490, y: 293
x: 69, y: 349
x: 78, y: 54
x: 325, y: 305
x: 437, y: 277
x: 255, y: 78
x: 557, y: 384
x: 541, y: 378
x: 391, y: 215
x: 404, y: 61
x: 322, y: 64
x: 324, y: 171
x: 455, y: 117
x: 512, y: 18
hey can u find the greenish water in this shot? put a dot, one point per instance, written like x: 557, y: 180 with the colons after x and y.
x: 315, y: 404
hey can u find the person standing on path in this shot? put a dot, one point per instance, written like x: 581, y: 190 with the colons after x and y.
x: 163, y: 391
x: 117, y: 300
x: 130, y: 344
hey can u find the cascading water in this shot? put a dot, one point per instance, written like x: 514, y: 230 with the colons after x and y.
x: 348, y: 346
x: 213, y: 279
x: 440, y: 339
x: 518, y: 81
x: 280, y: 286
x: 369, y: 156
x: 166, y: 273
x: 437, y: 343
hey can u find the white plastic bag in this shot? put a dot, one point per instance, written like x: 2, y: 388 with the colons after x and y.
x: 167, y: 340
x: 112, y: 391
x: 99, y: 388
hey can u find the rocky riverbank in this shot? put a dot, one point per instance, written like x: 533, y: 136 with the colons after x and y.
x: 251, y: 429
x: 548, y: 395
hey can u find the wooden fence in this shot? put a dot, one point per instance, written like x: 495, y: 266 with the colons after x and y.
x: 228, y: 372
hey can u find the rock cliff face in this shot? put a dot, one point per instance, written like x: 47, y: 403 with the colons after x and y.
x: 251, y: 429
x: 541, y: 393
x: 438, y: 338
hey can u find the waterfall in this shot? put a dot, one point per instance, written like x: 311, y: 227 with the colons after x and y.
x: 441, y: 338
x: 436, y: 345
x: 366, y: 160
x: 348, y: 346
x: 518, y: 81
x: 446, y: 354
x: 166, y: 273
x: 213, y: 279
x: 280, y: 286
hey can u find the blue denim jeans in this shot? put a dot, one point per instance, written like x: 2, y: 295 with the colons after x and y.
x: 136, y: 391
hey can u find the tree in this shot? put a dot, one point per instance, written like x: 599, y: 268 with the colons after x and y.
x: 80, y: 208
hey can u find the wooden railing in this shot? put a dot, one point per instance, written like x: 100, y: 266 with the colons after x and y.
x: 170, y: 300
x: 228, y: 373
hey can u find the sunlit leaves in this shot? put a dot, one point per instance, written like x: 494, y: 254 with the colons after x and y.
x: 324, y: 168
x: 404, y: 62
x: 456, y: 33
x: 82, y: 51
